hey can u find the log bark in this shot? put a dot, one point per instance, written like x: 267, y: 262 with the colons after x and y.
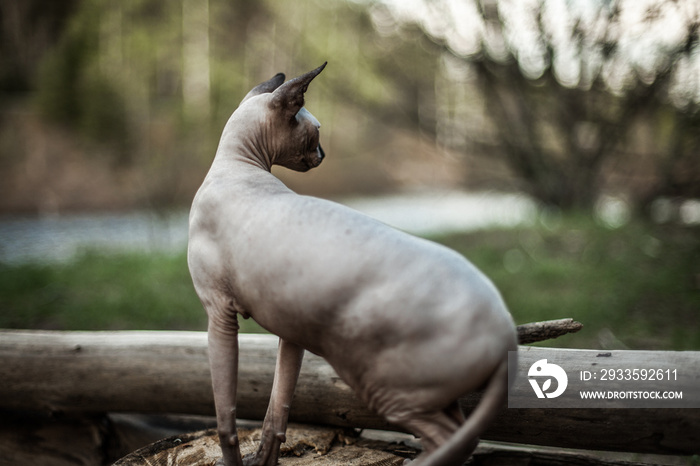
x: 312, y: 445
x: 547, y: 330
x: 304, y: 446
x: 168, y: 372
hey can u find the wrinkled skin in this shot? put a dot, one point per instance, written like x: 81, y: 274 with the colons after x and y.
x: 408, y: 324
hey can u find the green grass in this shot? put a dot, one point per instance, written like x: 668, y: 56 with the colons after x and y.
x: 103, y: 292
x: 636, y: 287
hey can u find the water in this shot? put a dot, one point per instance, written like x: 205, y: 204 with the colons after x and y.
x: 60, y: 238
x: 430, y: 213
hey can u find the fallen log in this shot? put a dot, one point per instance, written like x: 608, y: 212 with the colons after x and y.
x: 168, y: 372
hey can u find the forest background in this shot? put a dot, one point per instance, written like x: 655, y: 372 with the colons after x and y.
x: 589, y: 108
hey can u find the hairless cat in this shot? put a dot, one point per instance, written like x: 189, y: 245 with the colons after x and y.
x: 408, y: 324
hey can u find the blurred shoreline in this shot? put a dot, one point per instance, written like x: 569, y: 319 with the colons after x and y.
x: 59, y: 238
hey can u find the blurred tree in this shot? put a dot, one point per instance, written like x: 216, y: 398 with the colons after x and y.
x: 578, y: 97
x: 153, y: 81
x: 27, y: 29
x: 74, y: 91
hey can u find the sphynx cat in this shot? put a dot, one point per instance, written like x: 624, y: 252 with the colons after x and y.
x: 408, y: 324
